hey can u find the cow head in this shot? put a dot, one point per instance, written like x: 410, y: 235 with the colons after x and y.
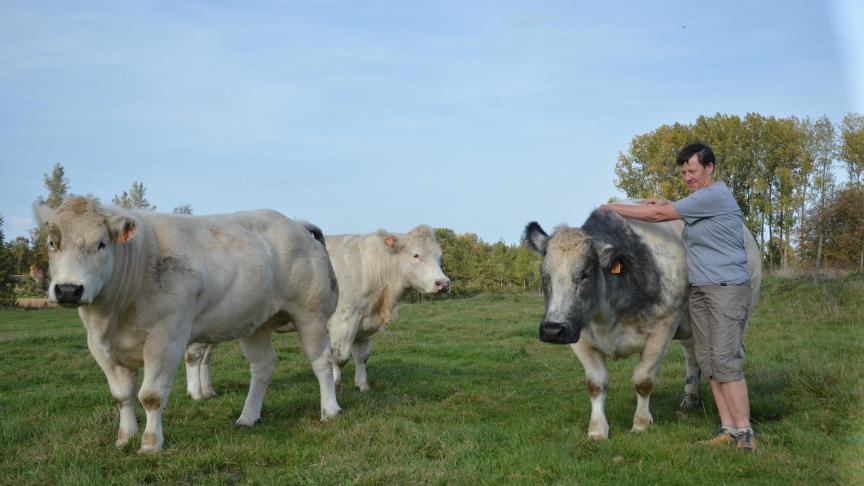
x: 572, y: 281
x: 83, y: 238
x: 419, y: 258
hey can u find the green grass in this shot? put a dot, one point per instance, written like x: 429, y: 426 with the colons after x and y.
x: 462, y: 392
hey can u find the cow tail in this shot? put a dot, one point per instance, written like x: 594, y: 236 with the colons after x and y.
x: 316, y: 232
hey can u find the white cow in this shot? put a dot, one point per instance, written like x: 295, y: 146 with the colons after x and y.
x: 147, y: 284
x: 373, y: 271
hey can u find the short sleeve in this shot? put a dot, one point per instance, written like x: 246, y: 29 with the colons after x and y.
x: 701, y: 204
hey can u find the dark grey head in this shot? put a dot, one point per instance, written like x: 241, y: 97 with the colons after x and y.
x: 572, y: 280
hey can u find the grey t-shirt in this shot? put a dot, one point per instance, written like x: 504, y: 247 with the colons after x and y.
x: 713, y: 236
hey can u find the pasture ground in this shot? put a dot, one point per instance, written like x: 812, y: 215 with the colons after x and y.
x: 462, y: 392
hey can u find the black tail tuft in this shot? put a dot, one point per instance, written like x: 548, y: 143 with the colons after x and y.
x: 315, y: 231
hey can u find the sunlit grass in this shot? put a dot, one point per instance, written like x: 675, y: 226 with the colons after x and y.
x: 462, y: 392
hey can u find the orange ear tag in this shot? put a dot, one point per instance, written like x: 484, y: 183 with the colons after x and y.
x: 616, y: 267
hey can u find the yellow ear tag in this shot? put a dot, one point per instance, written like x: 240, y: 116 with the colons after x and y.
x: 616, y: 267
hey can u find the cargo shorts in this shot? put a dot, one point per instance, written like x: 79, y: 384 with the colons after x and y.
x: 718, y: 314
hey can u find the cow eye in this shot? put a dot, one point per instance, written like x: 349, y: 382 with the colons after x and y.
x: 417, y: 256
x: 50, y: 245
x: 102, y: 245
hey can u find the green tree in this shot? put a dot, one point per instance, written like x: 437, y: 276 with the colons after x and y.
x: 57, y: 185
x: 20, y: 248
x: 821, y: 147
x: 842, y: 221
x: 182, y: 209
x: 852, y: 147
x: 648, y: 168
x: 7, y: 267
x: 134, y: 199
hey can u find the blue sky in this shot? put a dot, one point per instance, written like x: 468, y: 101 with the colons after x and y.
x: 477, y: 116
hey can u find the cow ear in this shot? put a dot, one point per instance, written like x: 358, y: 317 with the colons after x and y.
x: 392, y: 242
x: 611, y: 258
x: 45, y: 216
x: 121, y: 227
x: 534, y: 238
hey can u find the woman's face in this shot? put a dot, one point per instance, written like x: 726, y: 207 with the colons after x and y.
x: 695, y: 175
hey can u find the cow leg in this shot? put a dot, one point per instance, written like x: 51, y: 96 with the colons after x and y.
x: 312, y: 328
x: 258, y: 349
x: 361, y: 350
x: 645, y: 375
x: 123, y: 383
x: 194, y: 356
x: 207, y: 390
x: 342, y: 330
x: 597, y: 381
x: 162, y: 357
x: 691, y: 388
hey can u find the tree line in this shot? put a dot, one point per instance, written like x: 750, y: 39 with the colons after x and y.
x: 783, y: 173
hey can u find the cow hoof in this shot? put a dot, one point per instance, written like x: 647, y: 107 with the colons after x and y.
x: 327, y: 415
x: 209, y: 394
x: 641, y: 424
x: 690, y: 402
x: 598, y: 435
x: 121, y: 442
x: 242, y: 423
x: 150, y: 444
x: 598, y: 431
x: 362, y: 389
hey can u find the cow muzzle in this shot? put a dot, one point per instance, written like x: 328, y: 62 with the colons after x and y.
x: 69, y: 294
x: 559, y: 332
x: 442, y: 285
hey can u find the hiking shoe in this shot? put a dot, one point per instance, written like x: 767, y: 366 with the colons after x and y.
x: 721, y: 438
x: 746, y: 441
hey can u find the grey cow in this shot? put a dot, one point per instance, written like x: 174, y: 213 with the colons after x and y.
x: 617, y: 287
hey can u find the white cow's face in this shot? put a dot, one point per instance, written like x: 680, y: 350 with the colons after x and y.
x: 82, y: 241
x: 420, y: 260
x: 571, y: 281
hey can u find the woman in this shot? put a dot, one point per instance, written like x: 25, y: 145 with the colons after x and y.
x: 719, y: 281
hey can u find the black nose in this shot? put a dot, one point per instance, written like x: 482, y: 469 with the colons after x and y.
x: 68, y: 293
x: 559, y: 332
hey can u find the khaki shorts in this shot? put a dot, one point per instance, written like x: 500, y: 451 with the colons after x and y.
x: 719, y: 317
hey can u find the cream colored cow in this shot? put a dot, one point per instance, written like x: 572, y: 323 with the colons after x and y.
x: 373, y: 271
x: 147, y: 284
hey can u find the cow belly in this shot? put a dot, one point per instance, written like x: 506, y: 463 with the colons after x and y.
x: 231, y: 320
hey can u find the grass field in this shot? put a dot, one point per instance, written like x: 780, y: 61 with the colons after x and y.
x: 462, y: 392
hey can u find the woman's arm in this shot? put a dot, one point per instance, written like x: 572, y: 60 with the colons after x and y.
x: 651, y: 210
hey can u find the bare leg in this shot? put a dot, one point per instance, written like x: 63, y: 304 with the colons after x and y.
x: 736, y: 402
x: 258, y: 349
